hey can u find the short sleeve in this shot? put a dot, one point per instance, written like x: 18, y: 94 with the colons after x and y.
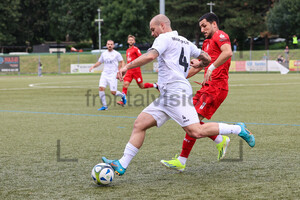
x: 221, y: 38
x: 138, y: 52
x: 160, y: 44
x: 119, y: 57
x: 101, y: 59
x: 195, y: 52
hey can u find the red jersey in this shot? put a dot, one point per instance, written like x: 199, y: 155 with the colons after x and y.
x: 213, y: 48
x: 131, y: 54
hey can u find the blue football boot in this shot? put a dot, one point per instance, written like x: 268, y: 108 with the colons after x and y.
x: 246, y: 134
x: 115, y: 164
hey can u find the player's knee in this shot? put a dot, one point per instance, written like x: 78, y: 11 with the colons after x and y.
x: 141, y: 86
x: 194, y: 134
x: 113, y: 92
x: 138, y: 125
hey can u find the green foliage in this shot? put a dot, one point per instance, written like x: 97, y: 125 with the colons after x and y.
x: 9, y: 21
x: 33, y: 23
x: 284, y: 18
x: 245, y: 18
x: 124, y: 17
x: 184, y: 16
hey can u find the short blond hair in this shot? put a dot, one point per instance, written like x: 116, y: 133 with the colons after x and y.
x: 131, y: 36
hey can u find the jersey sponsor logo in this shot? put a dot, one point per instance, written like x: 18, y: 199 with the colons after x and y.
x: 179, y: 40
x: 222, y: 38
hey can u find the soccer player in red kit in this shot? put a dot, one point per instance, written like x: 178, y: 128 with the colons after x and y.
x: 131, y: 54
x: 214, y: 87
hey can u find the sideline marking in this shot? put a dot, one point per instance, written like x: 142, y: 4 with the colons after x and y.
x: 115, y: 116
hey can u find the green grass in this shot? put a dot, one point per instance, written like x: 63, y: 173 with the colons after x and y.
x: 34, y: 118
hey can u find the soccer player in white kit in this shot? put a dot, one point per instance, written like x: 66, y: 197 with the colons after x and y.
x: 110, y: 58
x: 173, y: 53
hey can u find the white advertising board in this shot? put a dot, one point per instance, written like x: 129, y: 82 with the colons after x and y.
x: 84, y: 68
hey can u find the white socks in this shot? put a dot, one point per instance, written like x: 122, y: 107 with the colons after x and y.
x: 118, y: 93
x: 129, y: 152
x: 182, y: 160
x: 218, y: 139
x: 225, y: 129
x: 102, y: 98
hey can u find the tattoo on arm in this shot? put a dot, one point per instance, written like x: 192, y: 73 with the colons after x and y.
x: 205, y: 59
x: 152, y: 51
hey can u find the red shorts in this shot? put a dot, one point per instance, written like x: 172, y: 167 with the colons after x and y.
x: 133, y: 74
x: 208, y: 99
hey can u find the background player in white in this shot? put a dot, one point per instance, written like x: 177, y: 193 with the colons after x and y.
x: 113, y: 61
x: 173, y: 53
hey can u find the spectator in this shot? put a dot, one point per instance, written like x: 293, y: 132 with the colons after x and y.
x: 235, y: 45
x: 286, y: 52
x: 295, y: 41
x: 280, y: 59
x: 264, y: 57
x: 40, y: 68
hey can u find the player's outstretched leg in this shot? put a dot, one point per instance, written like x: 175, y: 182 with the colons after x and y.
x: 246, y: 134
x: 115, y: 164
x: 173, y: 164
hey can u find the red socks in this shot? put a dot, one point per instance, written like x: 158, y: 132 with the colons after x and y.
x: 124, y: 90
x: 187, y: 146
x: 148, y: 85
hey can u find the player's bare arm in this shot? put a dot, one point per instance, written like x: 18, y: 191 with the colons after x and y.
x: 121, y: 64
x: 94, y: 66
x: 204, y: 59
x: 194, y: 69
x: 140, y: 61
x: 223, y: 57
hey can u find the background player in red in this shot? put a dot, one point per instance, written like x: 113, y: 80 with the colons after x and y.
x: 131, y: 54
x: 214, y: 87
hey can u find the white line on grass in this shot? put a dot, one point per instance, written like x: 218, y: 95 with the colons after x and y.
x: 43, y: 85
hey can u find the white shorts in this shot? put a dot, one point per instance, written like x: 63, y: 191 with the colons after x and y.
x: 112, y: 81
x: 176, y: 104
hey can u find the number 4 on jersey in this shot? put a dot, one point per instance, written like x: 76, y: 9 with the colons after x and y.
x: 182, y: 60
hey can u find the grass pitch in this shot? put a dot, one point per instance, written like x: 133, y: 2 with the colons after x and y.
x: 36, y: 113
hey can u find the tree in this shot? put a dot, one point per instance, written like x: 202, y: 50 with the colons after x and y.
x: 284, y: 18
x: 124, y: 17
x: 33, y: 24
x: 9, y: 21
x: 245, y: 18
x: 73, y: 20
x: 184, y: 16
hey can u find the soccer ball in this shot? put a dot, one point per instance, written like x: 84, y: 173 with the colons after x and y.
x: 102, y: 174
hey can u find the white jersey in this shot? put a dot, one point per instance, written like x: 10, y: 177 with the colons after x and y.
x: 111, y: 61
x: 174, y: 57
